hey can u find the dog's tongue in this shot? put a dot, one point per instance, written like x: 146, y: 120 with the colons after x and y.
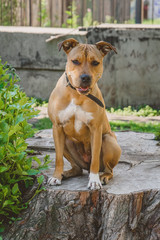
x: 83, y: 89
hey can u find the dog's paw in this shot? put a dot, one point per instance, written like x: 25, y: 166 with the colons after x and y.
x: 94, y: 182
x: 52, y: 181
x: 105, y: 177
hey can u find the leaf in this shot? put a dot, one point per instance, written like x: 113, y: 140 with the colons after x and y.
x: 3, y: 169
x: 47, y: 159
x: 19, y: 168
x: 44, y: 167
x: 1, y: 230
x: 2, y: 152
x: 1, y: 85
x: 69, y: 13
x: 21, y: 147
x: 4, y: 127
x: 14, y: 129
x: 15, y: 188
x: 5, y: 191
x: 10, y: 76
x: 24, y: 173
x: 8, y: 116
x: 11, y: 148
x: 32, y: 172
x: 37, y: 160
x: 22, y: 178
x: 20, y: 118
x: 23, y: 101
x: 20, y: 155
x: 40, y: 179
x: 17, y: 156
x: 7, y: 202
x: 43, y: 189
x: 3, y: 138
x: 1, y: 104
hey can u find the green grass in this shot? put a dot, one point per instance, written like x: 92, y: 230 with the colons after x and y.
x: 44, y: 123
x: 150, y: 127
x: 145, y: 111
x: 135, y: 126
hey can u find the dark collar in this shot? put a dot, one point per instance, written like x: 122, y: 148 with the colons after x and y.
x: 92, y: 97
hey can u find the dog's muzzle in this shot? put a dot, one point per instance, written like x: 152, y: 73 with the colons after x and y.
x: 85, y: 84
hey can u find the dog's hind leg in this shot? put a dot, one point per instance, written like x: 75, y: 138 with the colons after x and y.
x: 77, y: 164
x: 111, y: 153
x: 75, y: 170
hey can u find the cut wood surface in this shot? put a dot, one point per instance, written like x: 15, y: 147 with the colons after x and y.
x: 127, y: 208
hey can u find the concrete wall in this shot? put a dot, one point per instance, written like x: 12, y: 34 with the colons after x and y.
x: 130, y: 78
x: 38, y: 63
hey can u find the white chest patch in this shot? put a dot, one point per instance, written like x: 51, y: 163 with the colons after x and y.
x: 74, y: 110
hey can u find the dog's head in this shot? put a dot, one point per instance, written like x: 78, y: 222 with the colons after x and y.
x: 84, y: 63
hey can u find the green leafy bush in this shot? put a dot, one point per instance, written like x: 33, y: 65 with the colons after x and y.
x: 16, y: 172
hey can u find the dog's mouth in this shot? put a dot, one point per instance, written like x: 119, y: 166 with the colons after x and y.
x: 83, y: 90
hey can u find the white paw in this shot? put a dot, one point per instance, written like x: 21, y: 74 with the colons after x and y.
x: 94, y: 181
x: 52, y: 181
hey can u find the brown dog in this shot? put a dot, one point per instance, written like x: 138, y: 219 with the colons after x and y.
x: 81, y: 130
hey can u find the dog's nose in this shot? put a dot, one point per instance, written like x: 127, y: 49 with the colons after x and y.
x: 85, y: 78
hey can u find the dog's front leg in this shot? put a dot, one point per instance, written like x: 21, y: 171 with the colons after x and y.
x: 59, y: 139
x: 96, y: 143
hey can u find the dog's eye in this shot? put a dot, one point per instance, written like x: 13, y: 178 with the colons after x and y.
x: 76, y: 62
x: 94, y: 63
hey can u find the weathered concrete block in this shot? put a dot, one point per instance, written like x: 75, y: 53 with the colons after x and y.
x: 40, y: 83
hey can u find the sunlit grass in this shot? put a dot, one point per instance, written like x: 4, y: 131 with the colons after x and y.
x: 135, y: 126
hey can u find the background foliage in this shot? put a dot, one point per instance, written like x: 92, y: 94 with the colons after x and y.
x: 8, y: 18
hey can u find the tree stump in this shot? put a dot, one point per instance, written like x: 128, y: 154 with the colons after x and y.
x: 127, y: 208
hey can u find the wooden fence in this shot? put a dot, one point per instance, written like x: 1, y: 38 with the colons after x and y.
x: 66, y: 13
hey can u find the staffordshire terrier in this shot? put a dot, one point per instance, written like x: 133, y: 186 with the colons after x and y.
x: 81, y: 130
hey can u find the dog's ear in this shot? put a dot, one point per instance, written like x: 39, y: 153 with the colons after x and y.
x: 105, y: 47
x: 68, y: 44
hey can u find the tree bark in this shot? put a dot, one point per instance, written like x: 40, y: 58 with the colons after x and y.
x: 77, y: 215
